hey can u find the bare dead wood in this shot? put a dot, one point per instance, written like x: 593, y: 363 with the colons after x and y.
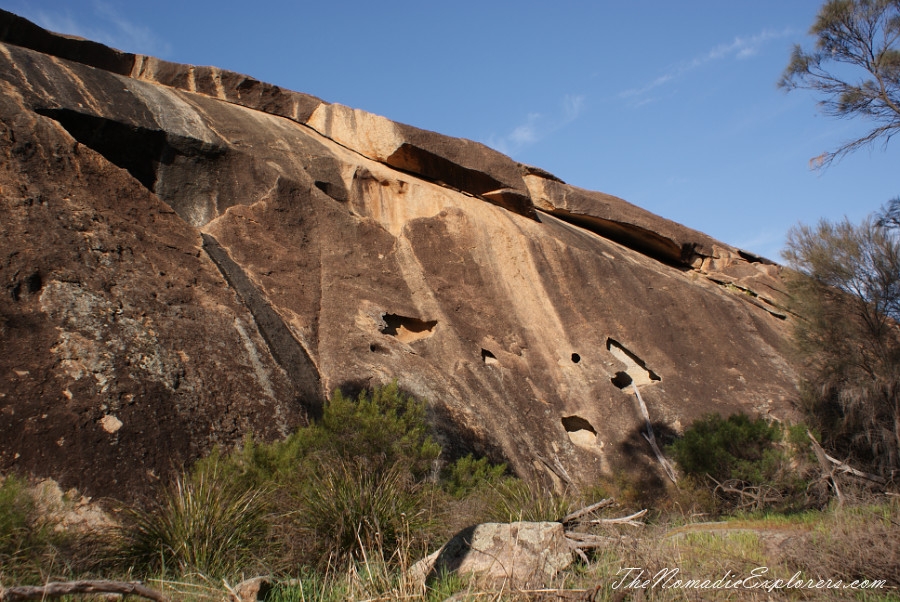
x: 57, y: 589
x: 581, y: 554
x: 589, y: 543
x: 843, y: 466
x: 651, y: 439
x: 571, y: 517
x: 587, y: 537
x: 750, y: 496
x: 827, y: 468
x: 631, y: 519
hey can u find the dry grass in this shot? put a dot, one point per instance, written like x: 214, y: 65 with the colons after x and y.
x: 857, y: 542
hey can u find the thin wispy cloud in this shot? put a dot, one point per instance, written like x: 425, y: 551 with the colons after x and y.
x: 536, y: 126
x: 103, y: 24
x: 766, y: 242
x: 742, y: 47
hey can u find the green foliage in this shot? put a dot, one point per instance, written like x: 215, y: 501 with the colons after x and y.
x: 847, y: 292
x: 734, y: 448
x: 383, y: 425
x: 746, y: 465
x: 355, y: 479
x: 854, y: 68
x: 445, y: 586
x: 310, y: 586
x: 205, y: 523
x: 469, y: 474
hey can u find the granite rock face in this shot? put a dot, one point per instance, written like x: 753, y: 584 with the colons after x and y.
x: 190, y: 255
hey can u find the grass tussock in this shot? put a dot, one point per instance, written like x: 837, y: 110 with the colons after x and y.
x: 204, y: 524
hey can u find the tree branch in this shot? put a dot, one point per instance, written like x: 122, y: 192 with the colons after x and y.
x: 57, y: 589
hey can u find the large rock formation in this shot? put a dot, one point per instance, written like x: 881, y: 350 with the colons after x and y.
x: 190, y: 255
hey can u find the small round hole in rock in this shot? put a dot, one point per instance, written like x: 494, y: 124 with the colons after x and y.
x: 576, y: 358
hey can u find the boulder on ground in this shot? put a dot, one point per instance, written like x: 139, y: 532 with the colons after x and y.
x: 520, y: 554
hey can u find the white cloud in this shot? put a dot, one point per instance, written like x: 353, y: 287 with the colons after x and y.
x: 766, y: 242
x: 103, y: 24
x: 572, y: 107
x: 742, y: 47
x: 536, y: 126
x: 527, y: 132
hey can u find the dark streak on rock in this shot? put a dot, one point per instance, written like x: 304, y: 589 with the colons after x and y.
x: 287, y: 351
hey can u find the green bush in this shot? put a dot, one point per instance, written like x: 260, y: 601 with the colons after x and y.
x: 342, y: 479
x: 468, y: 474
x: 733, y: 448
x: 384, y: 426
x: 747, y: 464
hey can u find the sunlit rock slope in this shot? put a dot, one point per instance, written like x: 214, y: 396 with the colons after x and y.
x: 190, y: 255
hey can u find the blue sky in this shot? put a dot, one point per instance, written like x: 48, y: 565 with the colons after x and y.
x: 669, y: 105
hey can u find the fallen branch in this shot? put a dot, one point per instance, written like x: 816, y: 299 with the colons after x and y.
x: 57, y: 589
x: 843, y: 466
x: 569, y: 518
x: 758, y: 496
x: 581, y: 554
x: 827, y: 469
x: 587, y: 537
x: 587, y: 541
x: 651, y: 439
x: 625, y: 520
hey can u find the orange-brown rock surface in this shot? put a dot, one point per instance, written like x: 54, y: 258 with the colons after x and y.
x: 189, y: 255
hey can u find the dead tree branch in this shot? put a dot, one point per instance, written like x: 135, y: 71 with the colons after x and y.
x: 58, y: 589
x: 624, y: 520
x: 843, y: 466
x: 651, y: 439
x: 750, y: 497
x: 571, y: 517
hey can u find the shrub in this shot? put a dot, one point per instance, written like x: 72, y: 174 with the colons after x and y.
x: 847, y: 292
x: 349, y: 509
x: 733, y: 448
x: 743, y: 458
x: 468, y: 474
x: 205, y: 523
x: 384, y: 425
x: 342, y: 478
